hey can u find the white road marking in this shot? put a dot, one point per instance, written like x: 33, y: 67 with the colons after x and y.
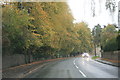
x: 74, y: 61
x: 82, y: 73
x: 76, y: 66
x: 78, y: 69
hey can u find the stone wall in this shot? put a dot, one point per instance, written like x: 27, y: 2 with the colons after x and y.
x: 14, y: 60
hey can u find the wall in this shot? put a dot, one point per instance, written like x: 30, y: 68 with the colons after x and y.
x: 113, y: 55
x: 98, y: 51
x: 13, y: 60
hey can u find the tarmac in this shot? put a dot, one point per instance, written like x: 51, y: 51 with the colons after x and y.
x: 20, y: 71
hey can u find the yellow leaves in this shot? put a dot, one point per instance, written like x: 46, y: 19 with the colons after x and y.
x: 32, y: 18
x: 84, y: 35
x: 50, y: 24
x: 36, y: 34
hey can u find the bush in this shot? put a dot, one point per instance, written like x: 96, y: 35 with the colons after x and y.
x: 111, y: 45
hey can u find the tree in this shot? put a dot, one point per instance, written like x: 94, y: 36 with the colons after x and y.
x: 118, y: 40
x: 85, y: 37
x: 96, y: 32
x: 13, y: 23
x: 109, y: 35
x: 111, y: 5
x: 43, y: 30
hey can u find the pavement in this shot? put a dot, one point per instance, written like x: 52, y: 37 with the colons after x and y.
x: 75, y: 67
x: 109, y: 62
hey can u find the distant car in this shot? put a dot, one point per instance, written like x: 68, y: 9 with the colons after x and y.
x: 85, y: 55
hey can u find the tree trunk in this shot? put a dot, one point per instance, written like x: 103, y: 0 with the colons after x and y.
x: 95, y: 49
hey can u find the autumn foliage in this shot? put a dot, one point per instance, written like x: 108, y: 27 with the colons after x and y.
x: 43, y: 30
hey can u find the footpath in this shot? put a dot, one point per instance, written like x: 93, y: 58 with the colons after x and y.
x: 109, y: 62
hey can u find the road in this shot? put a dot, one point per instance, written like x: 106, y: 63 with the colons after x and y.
x: 75, y: 68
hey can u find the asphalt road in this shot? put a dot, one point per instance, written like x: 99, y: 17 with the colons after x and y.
x: 75, y: 68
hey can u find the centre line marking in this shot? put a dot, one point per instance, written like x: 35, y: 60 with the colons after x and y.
x: 76, y: 66
x: 82, y: 73
x: 78, y: 69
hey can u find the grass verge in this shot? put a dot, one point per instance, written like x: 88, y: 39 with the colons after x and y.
x: 95, y: 57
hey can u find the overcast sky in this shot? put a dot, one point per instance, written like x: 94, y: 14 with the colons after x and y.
x: 81, y: 10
